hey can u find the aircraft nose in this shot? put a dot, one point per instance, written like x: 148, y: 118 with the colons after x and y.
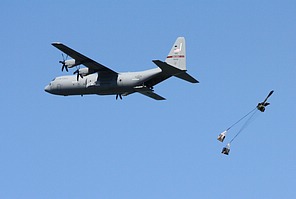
x: 47, y: 88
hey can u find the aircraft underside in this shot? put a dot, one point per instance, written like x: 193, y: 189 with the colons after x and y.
x: 97, y: 90
x: 65, y: 90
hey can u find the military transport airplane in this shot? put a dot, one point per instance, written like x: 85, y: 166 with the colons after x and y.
x: 98, y: 79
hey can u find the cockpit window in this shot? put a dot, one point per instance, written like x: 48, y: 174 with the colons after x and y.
x: 53, y: 79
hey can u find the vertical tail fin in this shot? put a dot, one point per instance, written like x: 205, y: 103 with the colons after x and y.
x: 175, y: 63
x: 177, y: 55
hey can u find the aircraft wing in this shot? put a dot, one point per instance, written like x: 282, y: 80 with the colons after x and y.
x: 149, y: 93
x: 91, y: 64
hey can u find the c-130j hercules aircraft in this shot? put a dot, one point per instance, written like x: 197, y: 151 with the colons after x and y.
x: 98, y: 79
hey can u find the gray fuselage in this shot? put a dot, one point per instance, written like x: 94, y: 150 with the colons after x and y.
x: 100, y: 83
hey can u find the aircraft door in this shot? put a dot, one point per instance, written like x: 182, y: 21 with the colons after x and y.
x: 89, y: 82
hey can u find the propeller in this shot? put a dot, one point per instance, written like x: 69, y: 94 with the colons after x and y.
x: 78, y: 74
x: 63, y: 62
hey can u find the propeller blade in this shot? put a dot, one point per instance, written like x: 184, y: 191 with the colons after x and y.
x: 65, y: 67
x: 64, y: 57
x: 63, y: 62
x: 76, y: 72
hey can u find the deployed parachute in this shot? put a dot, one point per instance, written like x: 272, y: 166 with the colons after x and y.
x: 261, y: 107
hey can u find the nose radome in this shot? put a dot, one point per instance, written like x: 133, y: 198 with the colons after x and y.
x: 47, y: 88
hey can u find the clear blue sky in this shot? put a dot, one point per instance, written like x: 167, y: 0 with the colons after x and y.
x: 97, y: 147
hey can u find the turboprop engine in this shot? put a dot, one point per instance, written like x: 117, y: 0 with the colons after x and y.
x: 68, y: 63
x: 83, y: 72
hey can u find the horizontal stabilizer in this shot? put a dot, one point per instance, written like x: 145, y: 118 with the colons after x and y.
x: 185, y: 76
x: 171, y: 70
x: 166, y: 68
x: 148, y: 92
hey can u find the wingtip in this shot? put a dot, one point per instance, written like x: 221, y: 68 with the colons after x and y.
x: 56, y: 43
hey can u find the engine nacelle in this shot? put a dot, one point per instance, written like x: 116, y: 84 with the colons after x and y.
x: 84, y: 71
x: 71, y: 63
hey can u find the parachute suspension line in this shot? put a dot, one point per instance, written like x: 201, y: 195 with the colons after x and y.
x: 261, y: 107
x: 241, y: 119
x: 244, y: 126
